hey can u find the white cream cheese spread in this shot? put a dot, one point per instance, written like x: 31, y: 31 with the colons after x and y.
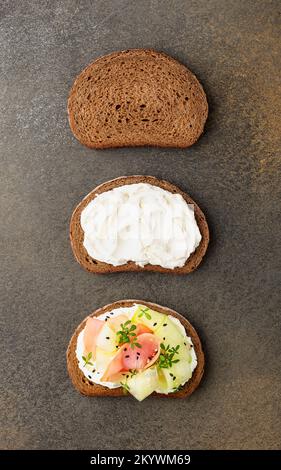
x: 141, y: 223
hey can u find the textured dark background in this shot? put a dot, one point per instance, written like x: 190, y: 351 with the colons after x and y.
x: 233, y: 172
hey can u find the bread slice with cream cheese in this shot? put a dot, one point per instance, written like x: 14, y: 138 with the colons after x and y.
x: 98, y: 266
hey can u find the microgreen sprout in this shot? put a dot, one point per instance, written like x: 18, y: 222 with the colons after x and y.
x: 145, y: 312
x: 166, y: 358
x: 127, y: 334
x: 87, y: 359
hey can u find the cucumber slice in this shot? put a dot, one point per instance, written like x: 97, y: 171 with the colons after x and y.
x: 162, y: 385
x: 107, y: 339
x: 143, y: 384
x: 176, y: 375
x: 171, y: 378
x: 169, y: 333
x: 103, y: 359
x: 148, y: 317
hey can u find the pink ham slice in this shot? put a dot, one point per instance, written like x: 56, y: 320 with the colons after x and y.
x: 91, y: 332
x: 94, y: 326
x: 115, y: 322
x: 142, y: 329
x: 144, y: 357
x: 129, y: 358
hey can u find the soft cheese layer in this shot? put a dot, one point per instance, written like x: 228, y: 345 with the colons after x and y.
x: 141, y: 223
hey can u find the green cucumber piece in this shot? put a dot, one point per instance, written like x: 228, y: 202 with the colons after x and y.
x: 103, y: 359
x: 169, y: 333
x: 143, y: 383
x: 107, y: 339
x: 148, y: 317
x: 172, y: 377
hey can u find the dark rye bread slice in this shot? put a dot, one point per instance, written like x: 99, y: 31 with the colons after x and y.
x: 86, y: 387
x: 99, y: 267
x: 134, y: 98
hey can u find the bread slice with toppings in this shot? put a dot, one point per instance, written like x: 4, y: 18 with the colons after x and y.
x: 137, y: 97
x: 87, y: 387
x: 100, y: 267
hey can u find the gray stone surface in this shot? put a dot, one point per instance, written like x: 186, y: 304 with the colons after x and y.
x: 233, y: 173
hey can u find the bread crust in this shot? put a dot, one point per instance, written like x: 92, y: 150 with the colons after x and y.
x: 191, y: 126
x: 86, y: 387
x: 99, y: 267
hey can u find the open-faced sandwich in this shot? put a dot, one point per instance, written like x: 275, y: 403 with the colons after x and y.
x: 135, y: 347
x: 138, y: 223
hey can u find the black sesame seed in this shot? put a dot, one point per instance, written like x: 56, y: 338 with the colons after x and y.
x: 125, y: 349
x: 164, y: 339
x: 191, y: 345
x: 105, y: 319
x: 89, y: 376
x: 184, y: 344
x: 111, y: 313
x: 138, y: 357
x: 154, y: 324
x: 171, y: 375
x: 174, y: 378
x: 127, y: 355
x: 165, y: 324
x: 94, y: 370
x: 138, y: 353
x: 107, y: 337
x: 127, y: 376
